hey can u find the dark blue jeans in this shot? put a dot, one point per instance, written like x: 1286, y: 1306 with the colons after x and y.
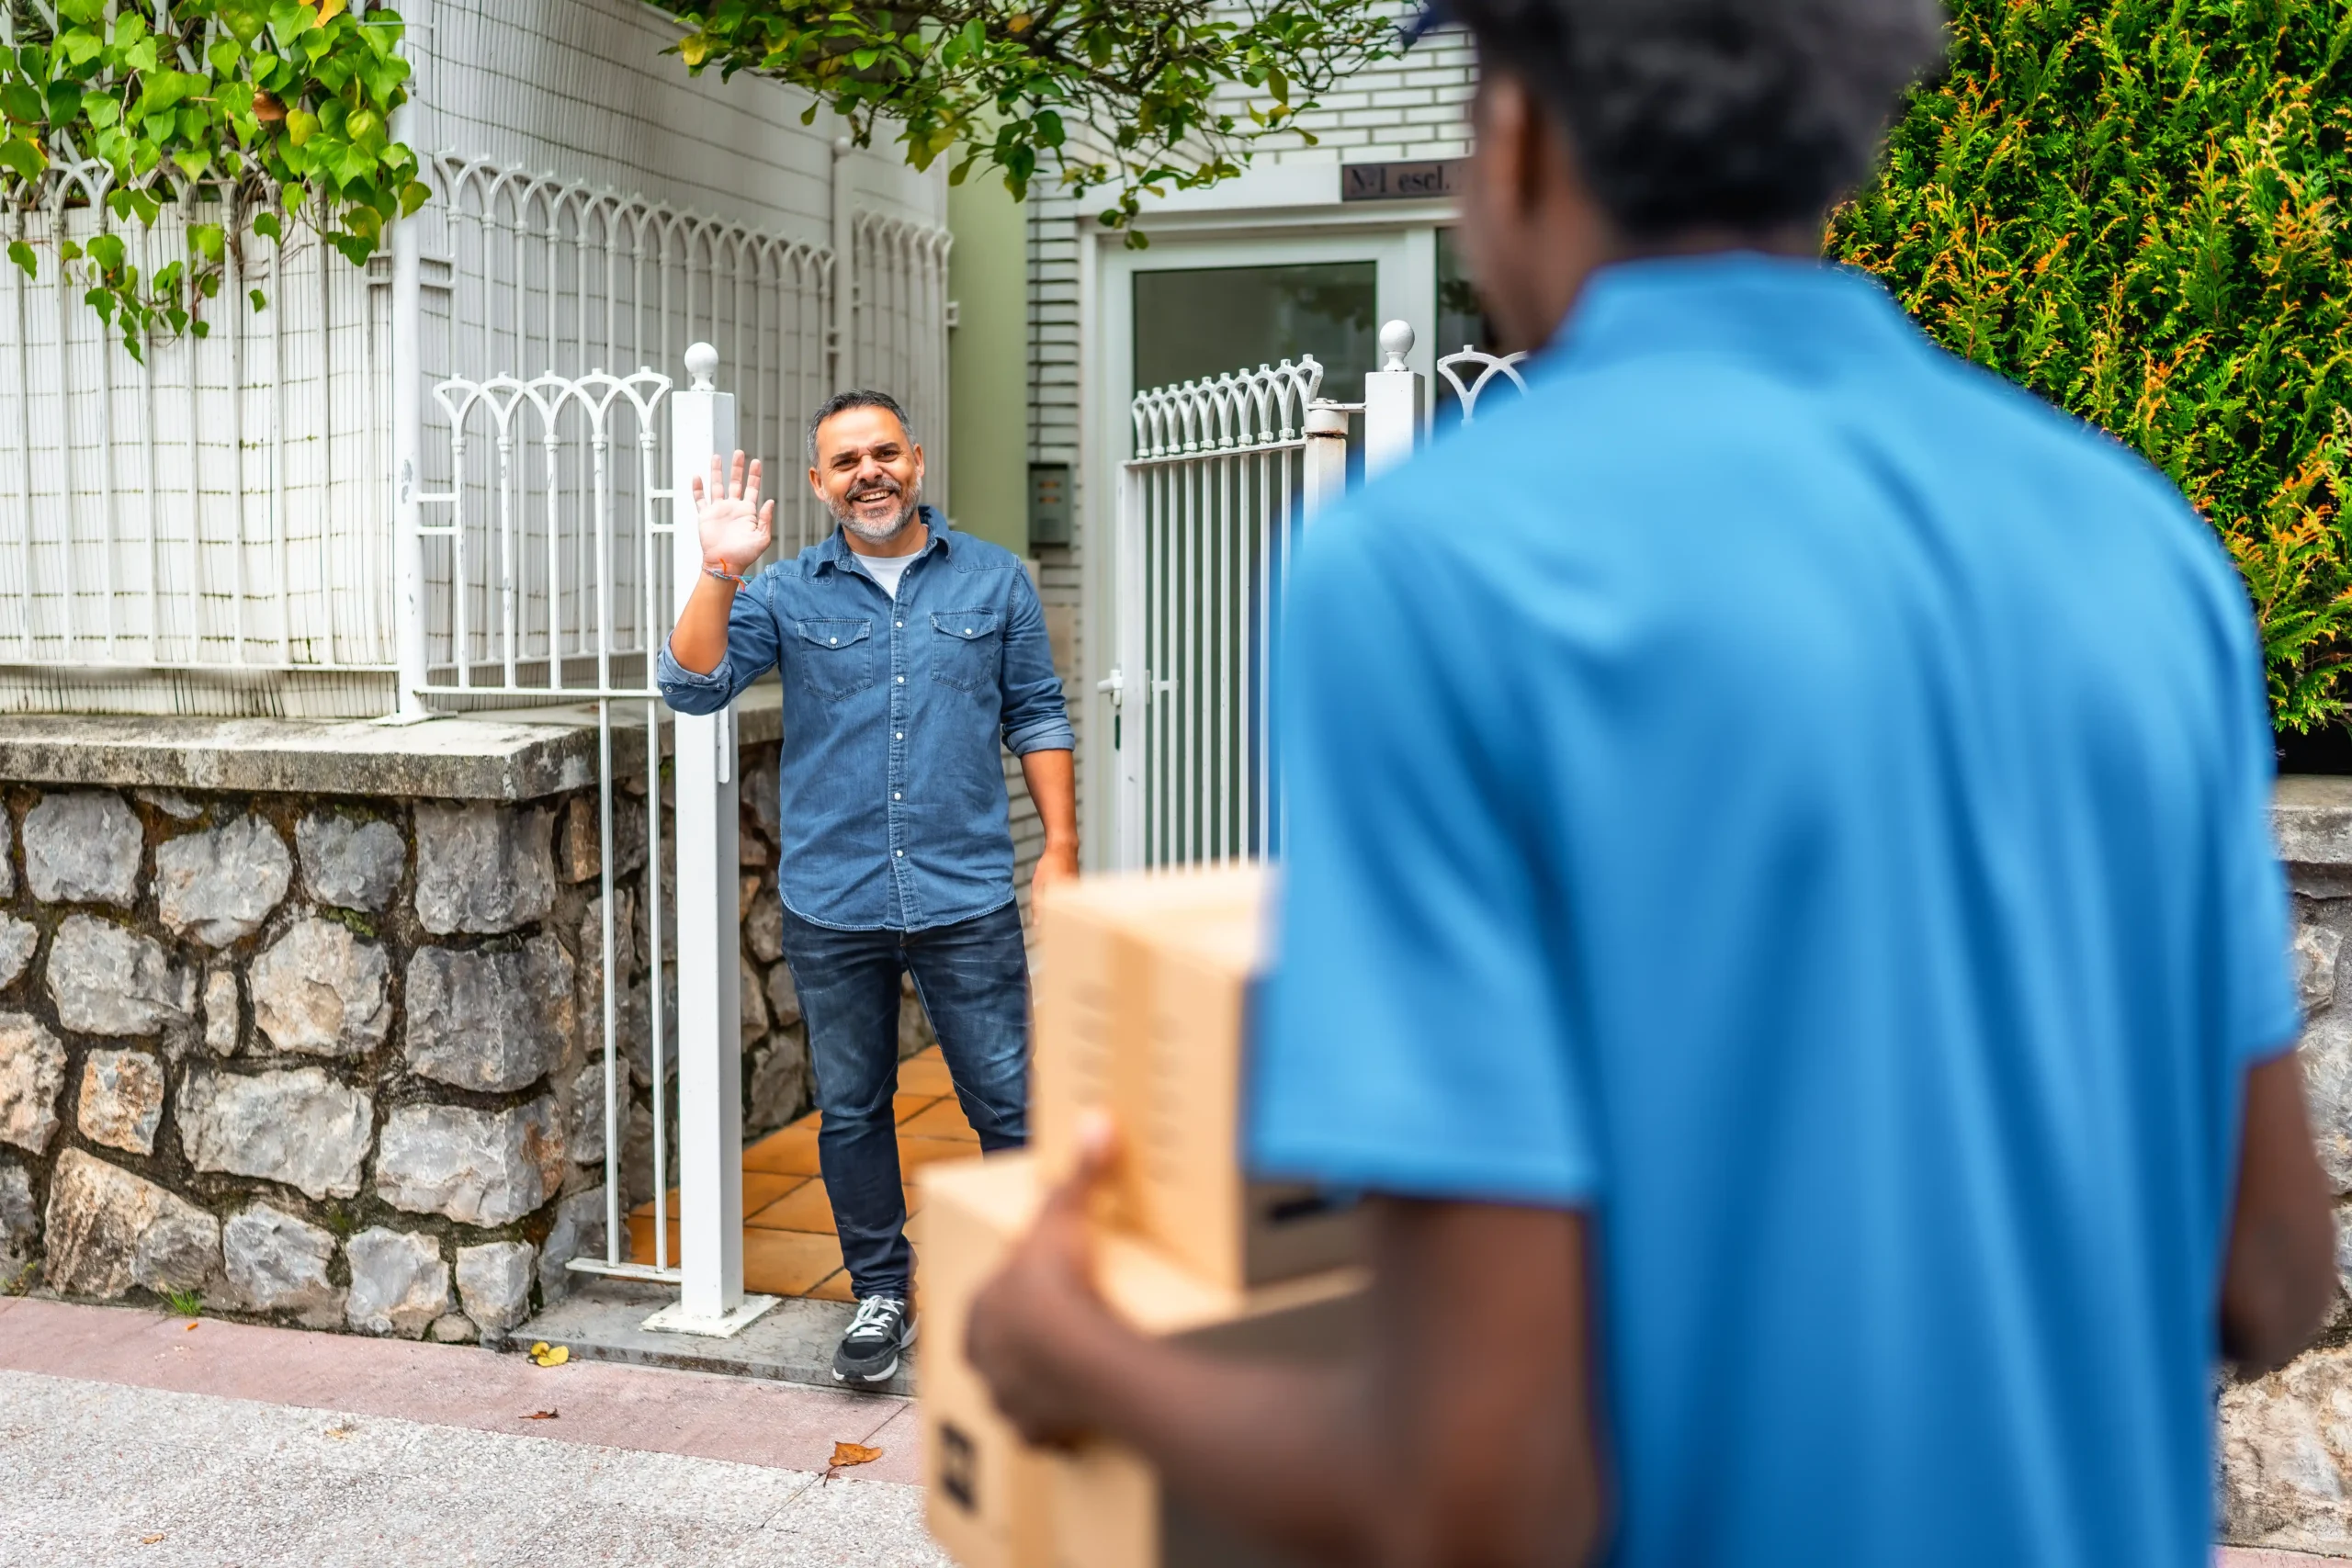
x: 973, y: 978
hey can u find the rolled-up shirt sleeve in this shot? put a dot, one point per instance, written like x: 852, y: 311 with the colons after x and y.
x: 1037, y: 716
x: 751, y: 651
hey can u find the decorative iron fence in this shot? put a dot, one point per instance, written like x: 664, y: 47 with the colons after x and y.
x: 1225, y: 477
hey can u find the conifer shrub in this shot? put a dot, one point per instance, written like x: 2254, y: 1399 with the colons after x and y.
x: 2139, y: 210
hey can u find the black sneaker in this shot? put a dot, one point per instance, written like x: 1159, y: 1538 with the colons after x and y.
x: 869, y: 1351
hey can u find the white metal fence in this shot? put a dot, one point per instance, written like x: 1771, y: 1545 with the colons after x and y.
x: 567, y: 539
x: 1226, y: 476
x: 239, y: 501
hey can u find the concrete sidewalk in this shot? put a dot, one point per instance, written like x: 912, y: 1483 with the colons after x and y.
x: 129, y: 1438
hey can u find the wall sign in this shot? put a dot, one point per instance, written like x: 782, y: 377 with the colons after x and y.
x: 1049, y: 504
x: 1402, y: 182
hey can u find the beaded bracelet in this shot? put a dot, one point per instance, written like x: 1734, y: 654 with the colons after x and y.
x: 724, y: 575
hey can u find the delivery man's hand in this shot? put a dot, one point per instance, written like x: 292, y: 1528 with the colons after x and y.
x: 1038, y: 1329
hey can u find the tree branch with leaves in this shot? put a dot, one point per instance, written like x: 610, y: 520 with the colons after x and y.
x: 130, y: 107
x: 1134, y: 99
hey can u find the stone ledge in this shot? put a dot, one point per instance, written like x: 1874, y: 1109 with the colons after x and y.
x: 2312, y: 818
x: 507, y: 756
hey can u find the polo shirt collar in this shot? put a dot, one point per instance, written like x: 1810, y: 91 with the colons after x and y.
x: 835, y: 552
x: 1777, y: 307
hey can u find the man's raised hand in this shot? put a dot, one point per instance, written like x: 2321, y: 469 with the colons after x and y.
x: 736, y: 529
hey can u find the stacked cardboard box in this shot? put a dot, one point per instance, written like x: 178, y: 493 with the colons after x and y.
x: 1144, y: 994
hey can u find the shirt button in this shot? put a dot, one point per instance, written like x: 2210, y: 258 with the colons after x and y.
x: 901, y: 736
x: 903, y: 626
x: 903, y: 680
x: 902, y: 854
x: 837, y: 642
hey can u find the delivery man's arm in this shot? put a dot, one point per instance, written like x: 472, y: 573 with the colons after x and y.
x: 2280, y: 1278
x: 1423, y: 1452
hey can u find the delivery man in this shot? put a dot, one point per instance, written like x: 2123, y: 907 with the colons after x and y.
x: 910, y: 653
x: 1779, y: 908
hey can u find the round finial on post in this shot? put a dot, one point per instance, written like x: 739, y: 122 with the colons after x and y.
x: 1395, y: 343
x: 702, y: 368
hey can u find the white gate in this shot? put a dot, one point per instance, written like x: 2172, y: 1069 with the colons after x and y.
x: 558, y: 557
x: 1226, y: 476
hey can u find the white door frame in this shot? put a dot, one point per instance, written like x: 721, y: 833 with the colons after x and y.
x: 1401, y: 240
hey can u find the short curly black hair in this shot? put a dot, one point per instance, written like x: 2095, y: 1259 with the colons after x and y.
x: 1748, y: 115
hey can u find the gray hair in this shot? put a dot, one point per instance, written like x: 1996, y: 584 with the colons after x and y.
x: 842, y: 402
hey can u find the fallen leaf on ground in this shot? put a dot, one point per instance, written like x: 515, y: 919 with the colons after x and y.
x: 149, y: 1540
x: 340, y: 1433
x: 548, y: 1355
x: 853, y: 1453
x: 542, y: 1416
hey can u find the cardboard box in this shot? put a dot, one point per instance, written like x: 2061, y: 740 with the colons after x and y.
x: 985, y: 1491
x: 1144, y: 991
x: 993, y: 1502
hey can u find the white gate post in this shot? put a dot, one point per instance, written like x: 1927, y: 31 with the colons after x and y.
x: 1394, y: 396
x: 710, y: 1071
x: 1131, y: 721
x: 408, y: 452
x: 1327, y: 458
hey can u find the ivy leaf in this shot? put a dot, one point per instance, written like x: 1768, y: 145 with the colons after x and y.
x: 65, y: 100
x: 193, y: 161
x: 22, y: 155
x: 106, y: 250
x: 414, y: 195
x: 22, y: 254
x: 301, y: 126
x: 330, y: 9
x: 21, y: 101
x: 208, y: 239
x: 266, y: 224
x: 289, y: 21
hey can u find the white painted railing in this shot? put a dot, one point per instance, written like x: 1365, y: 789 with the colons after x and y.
x: 1225, y: 475
x: 566, y: 545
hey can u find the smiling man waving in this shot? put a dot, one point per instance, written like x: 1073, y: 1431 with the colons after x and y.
x: 908, y: 652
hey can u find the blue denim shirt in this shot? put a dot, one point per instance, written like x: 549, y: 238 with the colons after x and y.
x: 895, y: 815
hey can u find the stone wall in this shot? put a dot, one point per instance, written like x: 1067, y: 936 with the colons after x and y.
x: 330, y: 1059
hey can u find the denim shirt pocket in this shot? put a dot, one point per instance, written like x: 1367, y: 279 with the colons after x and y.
x: 836, y: 658
x: 968, y: 649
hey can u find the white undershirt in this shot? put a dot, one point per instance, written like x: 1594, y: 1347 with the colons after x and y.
x: 888, y: 570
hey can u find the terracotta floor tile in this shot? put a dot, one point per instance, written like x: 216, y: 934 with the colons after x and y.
x: 926, y: 1073
x: 944, y: 1120
x: 763, y: 1188
x: 787, y: 1263
x: 905, y: 1106
x: 833, y: 1287
x: 808, y: 1209
x: 792, y: 1152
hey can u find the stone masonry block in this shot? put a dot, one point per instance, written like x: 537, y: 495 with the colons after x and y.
x: 109, y: 1230
x: 2316, y: 951
x: 20, y: 1221
x: 323, y: 991
x: 18, y: 941
x: 82, y: 847
x: 276, y: 1263
x: 223, y: 1019
x: 217, y: 887
x: 121, y: 1103
x: 2285, y: 1447
x: 495, y: 1283
x: 578, y: 1232
x: 32, y: 1075
x: 477, y: 1167
x: 579, y: 846
x: 482, y: 868
x: 301, y: 1128
x: 106, y: 980
x: 763, y: 928
x: 398, y: 1284
x: 754, y: 1008
x: 493, y: 1021
x: 349, y: 863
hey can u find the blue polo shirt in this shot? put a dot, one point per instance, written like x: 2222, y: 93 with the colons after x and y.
x: 1802, y: 801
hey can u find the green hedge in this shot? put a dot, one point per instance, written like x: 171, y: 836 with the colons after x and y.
x: 2143, y: 211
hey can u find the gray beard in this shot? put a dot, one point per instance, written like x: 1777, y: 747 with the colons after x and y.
x: 874, y: 535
